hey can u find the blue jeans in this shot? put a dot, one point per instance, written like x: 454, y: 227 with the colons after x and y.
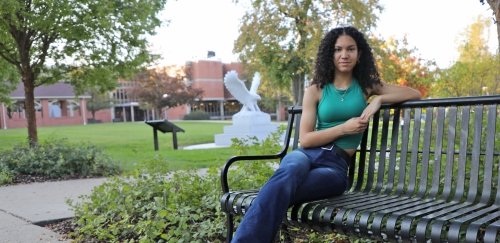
x: 302, y: 176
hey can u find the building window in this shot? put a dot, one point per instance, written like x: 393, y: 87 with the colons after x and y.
x: 73, y: 108
x: 210, y: 107
x: 38, y: 106
x: 16, y: 110
x: 231, y: 107
x: 55, y: 110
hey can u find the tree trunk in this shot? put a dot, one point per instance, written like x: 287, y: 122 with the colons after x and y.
x: 29, y: 107
x: 498, y: 26
x: 495, y: 6
x: 298, y: 89
x: 159, y: 114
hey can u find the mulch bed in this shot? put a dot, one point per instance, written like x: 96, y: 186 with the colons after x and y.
x: 27, y: 179
x: 64, y: 228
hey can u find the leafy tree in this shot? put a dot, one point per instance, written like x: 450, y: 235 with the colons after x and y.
x: 8, y: 81
x: 99, y: 101
x: 74, y: 40
x: 398, y: 63
x: 476, y: 72
x: 280, y: 38
x: 469, y: 79
x: 474, y: 44
x: 164, y: 88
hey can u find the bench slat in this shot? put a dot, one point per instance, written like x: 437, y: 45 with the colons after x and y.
x: 450, y: 151
x: 393, y: 151
x: 490, y: 146
x: 382, y: 154
x: 371, y: 159
x: 425, y: 154
x: 414, y: 150
x: 476, y: 149
x: 404, y: 152
x: 436, y: 178
x: 464, y: 136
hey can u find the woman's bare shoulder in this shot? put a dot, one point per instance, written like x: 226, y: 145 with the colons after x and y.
x: 314, y: 92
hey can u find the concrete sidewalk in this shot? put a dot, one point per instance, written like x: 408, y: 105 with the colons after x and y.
x: 24, y: 207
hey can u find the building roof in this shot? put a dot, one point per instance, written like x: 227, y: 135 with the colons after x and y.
x: 58, y: 90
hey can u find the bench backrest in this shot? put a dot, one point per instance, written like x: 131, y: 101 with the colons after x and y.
x: 437, y: 148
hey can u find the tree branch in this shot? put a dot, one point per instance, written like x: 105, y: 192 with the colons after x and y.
x: 6, y: 53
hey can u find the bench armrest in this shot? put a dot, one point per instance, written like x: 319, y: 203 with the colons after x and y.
x: 230, y: 161
x: 293, y: 112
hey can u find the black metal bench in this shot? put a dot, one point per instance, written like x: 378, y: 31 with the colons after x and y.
x: 425, y: 170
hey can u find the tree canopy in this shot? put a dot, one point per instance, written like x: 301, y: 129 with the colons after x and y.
x: 476, y: 72
x: 84, y: 42
x: 280, y: 38
x: 164, y: 88
x: 398, y: 63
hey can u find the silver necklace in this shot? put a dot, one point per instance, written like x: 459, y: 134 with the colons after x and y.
x: 342, y: 93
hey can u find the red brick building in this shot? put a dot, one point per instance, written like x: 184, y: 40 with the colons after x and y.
x: 55, y: 104
x: 207, y: 75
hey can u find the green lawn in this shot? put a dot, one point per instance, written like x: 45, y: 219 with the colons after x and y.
x: 132, y: 143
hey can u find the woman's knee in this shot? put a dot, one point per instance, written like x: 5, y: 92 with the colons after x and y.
x: 295, y: 160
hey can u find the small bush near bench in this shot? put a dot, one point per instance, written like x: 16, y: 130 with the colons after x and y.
x: 56, y: 159
x: 197, y: 115
x: 6, y: 175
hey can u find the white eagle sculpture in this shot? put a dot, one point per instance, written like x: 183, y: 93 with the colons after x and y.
x: 237, y: 88
x: 249, y: 121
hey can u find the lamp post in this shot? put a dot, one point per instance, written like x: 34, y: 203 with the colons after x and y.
x: 164, y: 96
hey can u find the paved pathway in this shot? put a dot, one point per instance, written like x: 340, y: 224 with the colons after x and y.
x: 24, y: 207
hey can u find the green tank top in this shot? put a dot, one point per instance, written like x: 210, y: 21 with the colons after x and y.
x: 338, y: 106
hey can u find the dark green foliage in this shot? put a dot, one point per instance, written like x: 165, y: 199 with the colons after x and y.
x: 197, y: 115
x: 58, y: 159
x: 157, y: 206
x: 181, y: 207
x: 5, y: 175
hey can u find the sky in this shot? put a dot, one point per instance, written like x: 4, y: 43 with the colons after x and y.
x: 191, y: 28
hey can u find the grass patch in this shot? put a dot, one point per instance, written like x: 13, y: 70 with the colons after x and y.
x: 131, y: 144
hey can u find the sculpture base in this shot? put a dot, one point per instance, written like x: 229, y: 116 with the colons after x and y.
x: 247, y: 124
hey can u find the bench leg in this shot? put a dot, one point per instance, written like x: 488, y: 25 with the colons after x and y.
x: 230, y: 227
x: 286, y: 234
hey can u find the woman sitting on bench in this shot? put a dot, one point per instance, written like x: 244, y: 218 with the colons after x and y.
x: 335, y: 114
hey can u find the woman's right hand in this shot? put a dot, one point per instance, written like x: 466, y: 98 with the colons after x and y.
x: 354, y: 125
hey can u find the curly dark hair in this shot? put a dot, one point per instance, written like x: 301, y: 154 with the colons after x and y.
x: 365, y: 71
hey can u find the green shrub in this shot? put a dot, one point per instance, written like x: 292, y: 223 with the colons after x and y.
x: 197, y: 115
x: 182, y: 207
x: 58, y: 159
x: 179, y: 206
x: 6, y: 175
x: 259, y: 171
